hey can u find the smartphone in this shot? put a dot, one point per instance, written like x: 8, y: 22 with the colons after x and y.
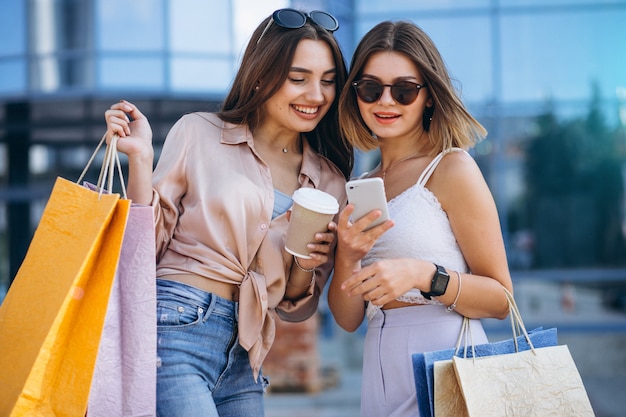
x: 368, y: 194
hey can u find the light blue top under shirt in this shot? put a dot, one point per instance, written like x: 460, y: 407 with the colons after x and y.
x: 282, y: 203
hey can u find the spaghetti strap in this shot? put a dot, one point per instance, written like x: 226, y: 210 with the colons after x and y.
x: 428, y: 171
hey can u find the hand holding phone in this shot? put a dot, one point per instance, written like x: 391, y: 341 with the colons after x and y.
x: 368, y: 194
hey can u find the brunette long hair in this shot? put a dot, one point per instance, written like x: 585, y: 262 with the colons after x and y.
x: 265, y: 65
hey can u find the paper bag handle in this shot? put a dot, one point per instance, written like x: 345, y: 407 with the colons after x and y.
x: 110, y: 162
x: 517, y: 326
x: 516, y: 321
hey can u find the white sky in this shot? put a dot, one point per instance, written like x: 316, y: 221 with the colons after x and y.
x: 248, y: 14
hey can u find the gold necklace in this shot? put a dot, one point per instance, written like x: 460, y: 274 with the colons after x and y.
x: 413, y: 155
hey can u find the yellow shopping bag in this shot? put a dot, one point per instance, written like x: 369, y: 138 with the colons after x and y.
x: 52, y: 316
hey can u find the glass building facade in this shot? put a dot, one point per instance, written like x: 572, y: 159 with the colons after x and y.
x: 63, y: 62
x: 64, y: 46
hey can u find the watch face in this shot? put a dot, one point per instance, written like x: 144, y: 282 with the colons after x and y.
x: 440, y: 281
x: 440, y: 284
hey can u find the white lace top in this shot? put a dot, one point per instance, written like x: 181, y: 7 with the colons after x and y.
x: 422, y: 231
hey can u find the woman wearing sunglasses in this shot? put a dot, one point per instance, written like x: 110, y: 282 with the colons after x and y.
x: 441, y: 256
x: 221, y: 192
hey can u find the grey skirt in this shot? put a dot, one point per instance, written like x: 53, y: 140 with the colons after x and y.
x: 388, y: 385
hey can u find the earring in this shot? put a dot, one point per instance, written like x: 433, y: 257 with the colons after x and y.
x: 256, y: 88
x: 427, y: 117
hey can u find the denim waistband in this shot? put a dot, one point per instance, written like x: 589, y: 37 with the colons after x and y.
x: 197, y: 296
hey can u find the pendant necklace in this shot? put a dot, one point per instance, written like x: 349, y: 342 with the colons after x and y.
x: 298, y: 144
x: 413, y: 155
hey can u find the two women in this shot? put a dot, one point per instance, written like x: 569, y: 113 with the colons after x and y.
x: 221, y: 191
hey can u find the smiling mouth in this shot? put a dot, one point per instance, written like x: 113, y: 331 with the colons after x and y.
x: 386, y: 116
x: 306, y: 110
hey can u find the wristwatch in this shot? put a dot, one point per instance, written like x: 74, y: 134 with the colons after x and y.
x: 439, y: 284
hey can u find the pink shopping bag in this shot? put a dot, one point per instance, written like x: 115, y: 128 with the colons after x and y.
x: 124, y: 380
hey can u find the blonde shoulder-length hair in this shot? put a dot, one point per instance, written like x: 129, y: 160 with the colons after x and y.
x: 451, y: 125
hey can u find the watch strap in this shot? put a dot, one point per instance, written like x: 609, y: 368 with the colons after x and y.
x: 439, y: 283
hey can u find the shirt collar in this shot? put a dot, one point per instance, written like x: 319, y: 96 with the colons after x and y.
x: 233, y: 134
x: 311, y: 165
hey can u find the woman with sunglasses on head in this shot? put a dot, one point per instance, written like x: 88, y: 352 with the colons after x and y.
x: 441, y: 256
x: 221, y: 192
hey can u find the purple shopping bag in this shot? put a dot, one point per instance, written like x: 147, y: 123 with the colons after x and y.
x: 124, y: 380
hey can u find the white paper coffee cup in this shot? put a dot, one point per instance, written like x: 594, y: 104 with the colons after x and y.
x: 311, y: 212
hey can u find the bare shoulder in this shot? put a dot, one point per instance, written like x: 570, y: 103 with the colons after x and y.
x: 457, y: 177
x: 457, y: 165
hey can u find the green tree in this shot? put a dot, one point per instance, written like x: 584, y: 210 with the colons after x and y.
x: 576, y: 191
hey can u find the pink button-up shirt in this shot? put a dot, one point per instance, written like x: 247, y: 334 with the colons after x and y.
x: 213, y: 202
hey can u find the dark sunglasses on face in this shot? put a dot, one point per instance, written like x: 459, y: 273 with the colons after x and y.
x: 404, y: 92
x: 295, y: 19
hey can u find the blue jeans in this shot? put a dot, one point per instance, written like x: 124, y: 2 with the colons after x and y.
x: 202, y: 369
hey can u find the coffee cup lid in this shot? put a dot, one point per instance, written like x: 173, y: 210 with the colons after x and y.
x: 316, y: 200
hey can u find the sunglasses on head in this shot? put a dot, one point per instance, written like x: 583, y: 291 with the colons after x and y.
x: 404, y: 92
x: 295, y: 19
